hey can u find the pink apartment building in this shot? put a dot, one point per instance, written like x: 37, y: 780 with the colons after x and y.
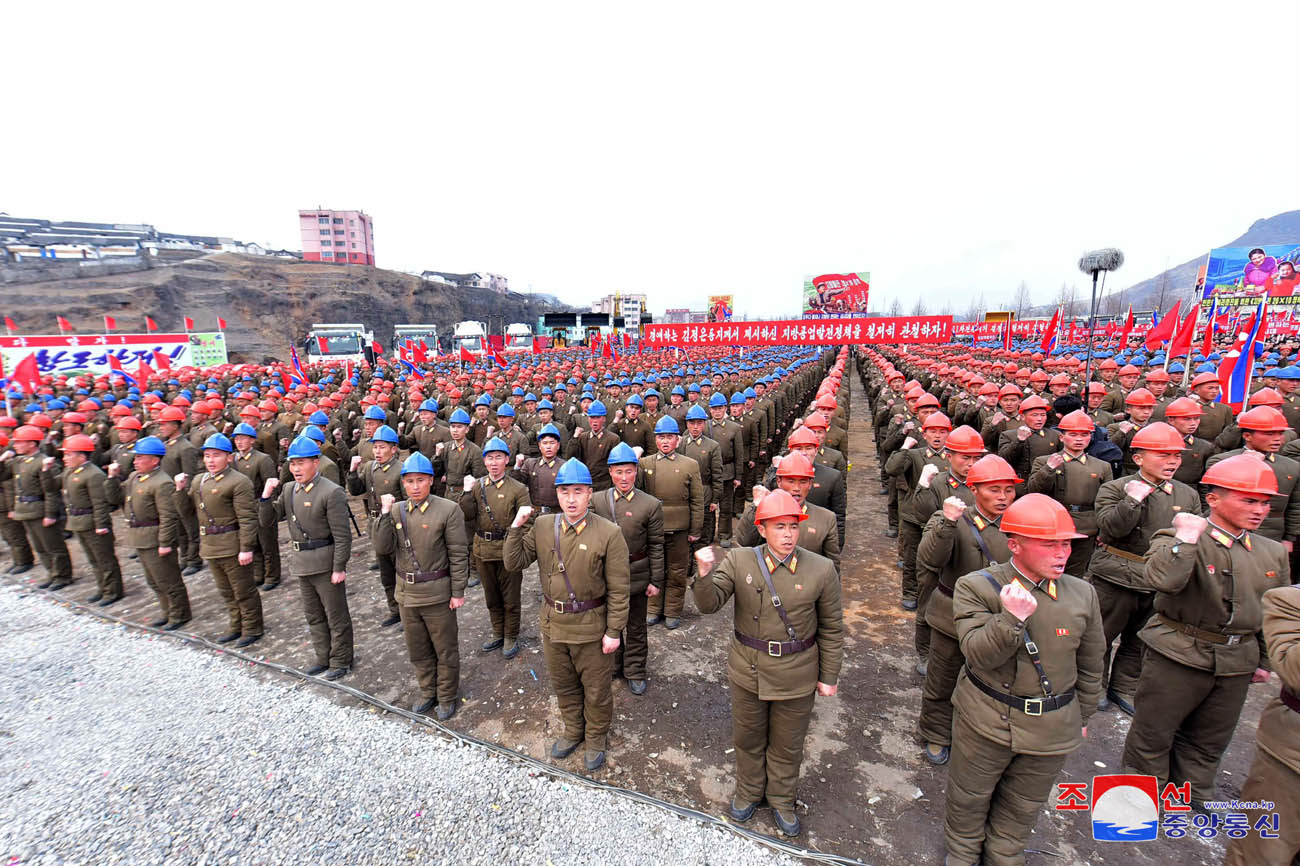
x: 337, y: 236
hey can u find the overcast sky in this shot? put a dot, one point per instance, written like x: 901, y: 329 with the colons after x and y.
x: 675, y: 149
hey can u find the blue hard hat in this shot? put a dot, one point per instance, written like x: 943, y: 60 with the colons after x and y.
x: 319, y: 417
x: 667, y: 424
x: 152, y: 446
x: 417, y: 464
x: 717, y: 400
x: 303, y: 447
x: 596, y: 410
x: 696, y: 413
x: 738, y: 399
x: 1207, y: 367
x: 530, y: 397
x: 385, y: 434
x: 573, y: 471
x: 652, y: 392
x: 374, y: 413
x: 545, y: 404
x: 1176, y: 367
x: 314, y: 433
x: 546, y: 392
x: 496, y: 443
x: 636, y: 400
x: 751, y: 394
x: 460, y: 416
x: 217, y: 442
x: 1292, y: 372
x: 548, y: 430
x: 694, y: 387
x: 679, y: 390
x: 621, y: 453
x: 429, y: 406
x: 483, y: 400
x: 245, y: 429
x: 506, y: 410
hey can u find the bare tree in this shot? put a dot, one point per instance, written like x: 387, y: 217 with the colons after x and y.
x: 1021, y: 301
x: 895, y: 307
x: 919, y: 308
x: 1163, y: 293
x: 947, y: 309
x: 975, y: 312
x: 1068, y: 300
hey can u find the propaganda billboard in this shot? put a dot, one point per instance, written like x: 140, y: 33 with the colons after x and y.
x: 721, y: 307
x: 835, y: 296
x: 1240, y: 276
x: 70, y: 354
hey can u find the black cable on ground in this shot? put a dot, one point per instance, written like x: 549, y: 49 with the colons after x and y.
x: 558, y: 773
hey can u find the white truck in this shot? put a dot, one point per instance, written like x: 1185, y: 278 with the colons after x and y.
x: 337, y: 341
x: 470, y: 335
x: 519, y: 338
x: 415, y: 333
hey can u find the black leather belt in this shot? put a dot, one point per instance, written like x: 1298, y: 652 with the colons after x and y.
x: 311, y: 544
x: 375, y: 512
x: 423, y: 576
x: 944, y: 588
x: 491, y: 536
x: 31, y: 498
x: 1028, y: 706
x: 776, y: 648
x: 573, y: 606
x: 1076, y: 509
x: 141, y: 524
x: 214, y: 529
x: 1291, y: 699
x: 80, y: 512
x: 1214, y: 637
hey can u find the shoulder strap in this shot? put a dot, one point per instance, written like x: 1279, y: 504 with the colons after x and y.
x: 483, y: 495
x: 613, y: 514
x: 979, y: 537
x: 559, y: 559
x: 404, y: 511
x: 776, y: 599
x: 1030, y: 647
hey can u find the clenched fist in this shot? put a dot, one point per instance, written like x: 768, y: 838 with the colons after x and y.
x: 1138, y: 490
x: 180, y: 481
x: 386, y: 503
x: 758, y: 493
x: 928, y: 471
x: 522, y: 515
x: 998, y: 417
x: 114, y: 470
x: 269, y: 488
x: 519, y: 460
x: 1056, y: 461
x: 437, y: 449
x: 1188, y: 527
x: 1022, y: 432
x: 490, y: 431
x: 953, y: 508
x: 468, y: 483
x: 704, y: 560
x: 1018, y: 601
x: 1126, y: 426
x: 909, y: 442
x: 355, y: 464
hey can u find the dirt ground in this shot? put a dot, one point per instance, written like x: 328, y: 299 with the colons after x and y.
x: 867, y: 791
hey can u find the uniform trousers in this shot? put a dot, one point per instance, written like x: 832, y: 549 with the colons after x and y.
x: 187, y: 539
x: 1124, y: 612
x: 433, y: 643
x: 893, y: 504
x: 909, y: 538
x: 163, y: 574
x: 1269, y: 779
x: 727, y: 508
x: 50, y: 547
x: 266, y: 555
x: 634, y: 649
x: 243, y: 602
x: 769, y: 737
x: 942, y: 667
x: 501, y: 595
x: 20, y: 549
x: 102, y: 556
x: 677, y: 566
x: 326, y: 605
x: 994, y: 796
x: 1184, y: 722
x: 388, y: 580
x: 580, y: 677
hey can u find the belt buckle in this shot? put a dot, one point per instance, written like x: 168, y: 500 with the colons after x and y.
x: 1033, y: 706
x: 558, y: 605
x: 1234, y: 639
x: 296, y: 545
x: 774, y: 645
x: 202, y: 531
x: 408, y: 577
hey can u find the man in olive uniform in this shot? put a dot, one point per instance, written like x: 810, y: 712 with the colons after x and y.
x: 1203, y: 645
x: 182, y: 460
x: 708, y: 453
x: 260, y: 468
x: 1073, y: 478
x: 508, y: 432
x: 582, y: 562
x: 1014, y: 726
x: 226, y: 510
x: 372, y: 479
x: 426, y: 534
x: 538, y: 473
x: 490, y: 504
x: 1184, y: 415
x: 148, y: 500
x: 828, y: 488
x: 905, y: 466
x: 1215, y: 416
x: 956, y: 541
x: 38, y: 504
x: 634, y: 428
x: 20, y: 549
x: 461, y: 459
x: 794, y: 475
x: 1275, y: 773
x: 1024, y: 444
x: 731, y: 444
x: 320, y: 538
x: 674, y: 479
x: 641, y: 518
x: 592, y: 446
x: 1129, y: 510
x: 1262, y: 429
x: 90, y: 516
x: 788, y: 647
x: 1138, y: 406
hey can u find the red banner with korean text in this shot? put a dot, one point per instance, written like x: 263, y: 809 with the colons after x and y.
x: 801, y: 332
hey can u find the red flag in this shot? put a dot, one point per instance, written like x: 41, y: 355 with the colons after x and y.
x: 323, y: 343
x: 537, y: 346
x: 189, y: 324
x: 221, y: 324
x: 1181, y: 344
x: 27, y: 374
x: 284, y: 381
x: 163, y: 362
x: 150, y: 324
x: 1163, y: 331
x: 109, y: 323
x: 1128, y: 328
x: 1049, y: 338
x: 607, y: 350
x: 466, y: 356
x: 1006, y: 336
x: 1211, y: 323
x: 64, y: 324
x: 347, y: 370
x: 420, y: 356
x: 9, y: 323
x: 378, y: 349
x: 402, y: 351
x: 143, y: 374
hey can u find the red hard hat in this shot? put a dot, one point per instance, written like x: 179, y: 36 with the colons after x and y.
x: 1183, y: 407
x: 1009, y: 390
x: 1077, y: 421
x: 79, y: 443
x: 1204, y: 379
x: 1037, y: 516
x: 28, y: 433
x: 965, y: 440
x: 87, y: 406
x: 1157, y: 437
x: 1140, y: 397
x: 1038, y: 376
x: 776, y: 504
x: 8, y: 421
x: 119, y: 410
x: 990, y: 468
x: 1242, y: 473
x: 1108, y: 364
x: 268, y: 406
x: 172, y: 413
x: 816, y: 421
x: 1096, y: 388
x: 1129, y: 370
x: 1033, y: 402
x: 41, y: 420
x: 249, y: 412
x: 1263, y: 419
x: 802, y: 436
x: 825, y: 401
x: 201, y: 408
x: 927, y: 400
x: 73, y: 418
x: 129, y: 422
x: 1265, y: 397
x: 1159, y: 374
x: 937, y: 420
x: 181, y: 400
x: 990, y: 389
x: 795, y: 466
x: 1060, y: 379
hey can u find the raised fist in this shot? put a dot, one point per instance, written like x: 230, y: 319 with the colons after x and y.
x: 338, y: 433
x: 704, y: 560
x: 47, y: 462
x: 1126, y: 426
x: 522, y: 515
x: 953, y: 508
x: 269, y: 489
x: 1018, y: 601
x: 1022, y: 432
x: 355, y: 464
x: 909, y: 442
x: 798, y: 422
x: 1258, y: 455
x: 998, y: 417
x: 8, y: 455
x: 180, y: 481
x: 1188, y: 527
x: 490, y: 431
x: 401, y: 425
x: 758, y: 493
x: 1056, y: 461
x: 114, y: 470
x: 928, y: 471
x: 468, y: 483
x: 776, y: 461
x: 618, y: 415
x: 519, y: 460
x: 638, y: 451
x: 386, y: 503
x: 1139, y: 490
x: 437, y: 449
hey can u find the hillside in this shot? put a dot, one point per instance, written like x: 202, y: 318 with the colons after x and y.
x: 265, y: 302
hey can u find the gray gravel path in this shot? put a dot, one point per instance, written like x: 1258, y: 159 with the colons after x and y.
x: 121, y: 748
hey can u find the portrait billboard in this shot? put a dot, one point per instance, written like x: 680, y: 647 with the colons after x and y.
x: 1239, y: 276
x: 833, y: 296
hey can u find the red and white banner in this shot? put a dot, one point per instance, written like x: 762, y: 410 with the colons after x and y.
x: 800, y: 332
x: 86, y: 353
x: 990, y: 330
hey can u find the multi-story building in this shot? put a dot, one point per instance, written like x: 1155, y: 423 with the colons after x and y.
x: 478, y: 280
x: 612, y: 305
x: 342, y: 237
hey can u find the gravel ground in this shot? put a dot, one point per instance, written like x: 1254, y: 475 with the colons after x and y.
x: 125, y: 748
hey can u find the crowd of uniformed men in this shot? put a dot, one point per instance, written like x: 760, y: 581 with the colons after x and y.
x: 1067, y: 547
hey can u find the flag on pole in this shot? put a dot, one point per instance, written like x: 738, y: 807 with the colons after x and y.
x: 150, y: 325
x: 143, y: 373
x: 1181, y: 344
x: 9, y: 325
x: 109, y: 323
x: 1006, y: 336
x: 1128, y: 329
x: 297, y: 364
x: 1049, y: 338
x: 376, y: 348
x: 466, y: 356
x: 421, y: 354
x: 1162, y: 330
x: 1239, y: 363
x: 189, y: 324
x: 537, y: 346
x: 115, y: 369
x: 221, y: 324
x: 27, y: 374
x: 161, y: 360
x: 1211, y: 325
x: 64, y: 325
x: 606, y: 349
x: 411, y: 369
x: 347, y: 370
